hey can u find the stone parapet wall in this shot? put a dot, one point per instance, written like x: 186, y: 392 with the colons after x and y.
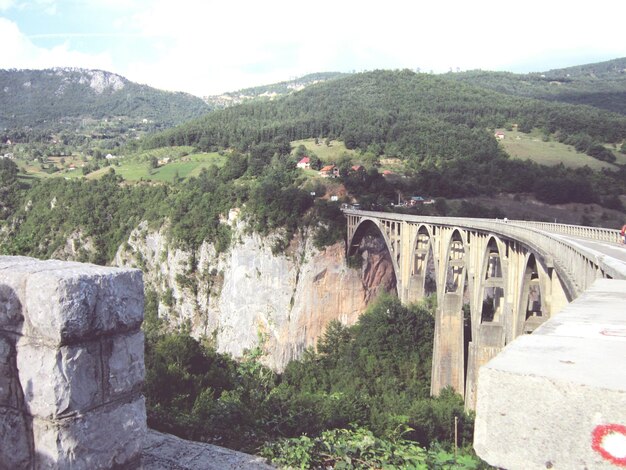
x: 71, y: 365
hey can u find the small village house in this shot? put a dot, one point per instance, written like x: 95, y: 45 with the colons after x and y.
x: 304, y: 163
x: 329, y: 171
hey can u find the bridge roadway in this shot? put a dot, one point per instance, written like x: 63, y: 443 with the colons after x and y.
x: 555, y: 398
x: 614, y: 250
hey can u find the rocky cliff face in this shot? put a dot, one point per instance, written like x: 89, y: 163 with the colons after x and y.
x: 249, y: 296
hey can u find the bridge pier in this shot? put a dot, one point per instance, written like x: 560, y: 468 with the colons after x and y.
x: 448, y: 362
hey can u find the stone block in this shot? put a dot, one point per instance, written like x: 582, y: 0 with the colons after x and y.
x: 15, y: 440
x: 126, y: 370
x: 11, y: 262
x: 59, y: 380
x: 534, y: 422
x: 69, y: 305
x: 71, y: 365
x: 167, y: 452
x: 104, y: 438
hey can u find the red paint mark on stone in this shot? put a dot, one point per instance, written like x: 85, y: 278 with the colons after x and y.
x: 600, y: 433
x: 613, y: 333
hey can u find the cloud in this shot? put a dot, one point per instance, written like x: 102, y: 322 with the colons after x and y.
x: 48, y: 6
x: 215, y: 46
x: 6, y: 4
x: 219, y: 46
x: 21, y: 53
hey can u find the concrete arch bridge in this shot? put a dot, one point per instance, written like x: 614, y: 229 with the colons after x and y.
x: 494, y: 279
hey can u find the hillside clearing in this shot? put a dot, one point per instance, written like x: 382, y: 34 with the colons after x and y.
x: 326, y: 153
x: 533, y: 147
x: 184, y: 167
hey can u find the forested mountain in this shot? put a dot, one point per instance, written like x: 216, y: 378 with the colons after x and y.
x: 268, y: 92
x: 40, y: 98
x: 413, y: 116
x: 602, y: 85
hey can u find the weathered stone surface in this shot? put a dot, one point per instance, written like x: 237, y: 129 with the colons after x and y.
x: 167, y: 452
x: 126, y: 365
x: 59, y: 381
x: 62, y: 380
x: 555, y: 399
x: 10, y: 388
x: 8, y: 262
x: 100, y: 439
x: 66, y: 305
x: 15, y: 440
x: 71, y: 365
x: 11, y: 317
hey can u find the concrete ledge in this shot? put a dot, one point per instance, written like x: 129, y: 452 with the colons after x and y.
x: 167, y: 452
x: 557, y: 398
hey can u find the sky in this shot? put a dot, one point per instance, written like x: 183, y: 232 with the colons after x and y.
x: 208, y: 47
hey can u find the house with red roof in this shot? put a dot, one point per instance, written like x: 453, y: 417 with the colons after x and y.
x: 304, y: 163
x: 329, y: 171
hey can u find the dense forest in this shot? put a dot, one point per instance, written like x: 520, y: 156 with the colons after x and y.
x: 601, y: 85
x: 414, y: 116
x: 39, y: 219
x: 362, y: 396
x: 440, y: 128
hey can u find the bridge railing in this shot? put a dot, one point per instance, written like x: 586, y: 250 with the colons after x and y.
x: 592, y: 233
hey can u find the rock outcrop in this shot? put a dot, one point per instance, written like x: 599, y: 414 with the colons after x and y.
x: 249, y: 296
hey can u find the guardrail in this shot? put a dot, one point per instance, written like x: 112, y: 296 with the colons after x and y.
x: 579, y: 231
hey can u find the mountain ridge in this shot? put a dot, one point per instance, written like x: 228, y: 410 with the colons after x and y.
x: 270, y: 91
x: 34, y: 98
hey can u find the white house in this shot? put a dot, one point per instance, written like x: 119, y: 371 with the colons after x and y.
x: 304, y: 163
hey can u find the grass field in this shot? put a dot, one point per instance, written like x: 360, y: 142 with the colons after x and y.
x: 532, y: 147
x: 326, y: 153
x: 185, y: 167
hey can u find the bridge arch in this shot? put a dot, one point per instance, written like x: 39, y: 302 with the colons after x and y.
x: 492, y: 283
x: 455, y: 262
x: 452, y: 318
x: 423, y: 269
x: 532, y: 310
x: 372, y: 226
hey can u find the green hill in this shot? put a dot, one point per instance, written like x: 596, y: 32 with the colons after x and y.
x: 601, y: 85
x: 62, y: 96
x: 413, y: 116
